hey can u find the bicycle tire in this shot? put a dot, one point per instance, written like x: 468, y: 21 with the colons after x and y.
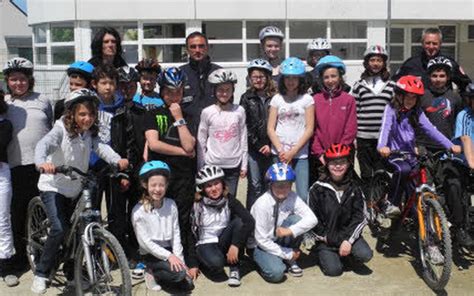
x: 378, y: 188
x: 106, y: 244
x: 437, y: 232
x: 37, y: 229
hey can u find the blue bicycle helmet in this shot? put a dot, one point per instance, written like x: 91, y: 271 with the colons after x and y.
x: 172, y: 78
x: 292, y: 66
x: 280, y: 172
x: 330, y: 61
x: 81, y: 67
x: 154, y: 167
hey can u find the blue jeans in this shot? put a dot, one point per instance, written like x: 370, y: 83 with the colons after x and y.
x: 231, y: 179
x: 301, y: 168
x: 272, y: 268
x: 165, y: 275
x: 257, y: 167
x: 59, y: 210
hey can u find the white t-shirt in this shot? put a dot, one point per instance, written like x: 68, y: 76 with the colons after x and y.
x: 291, y: 122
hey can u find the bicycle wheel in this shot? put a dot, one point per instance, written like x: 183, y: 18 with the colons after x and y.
x: 435, y: 244
x: 377, y: 191
x: 108, y: 264
x: 37, y: 229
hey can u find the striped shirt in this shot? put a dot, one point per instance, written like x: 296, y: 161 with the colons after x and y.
x: 370, y: 105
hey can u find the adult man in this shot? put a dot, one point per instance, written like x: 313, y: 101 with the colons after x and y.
x: 431, y: 40
x: 198, y: 92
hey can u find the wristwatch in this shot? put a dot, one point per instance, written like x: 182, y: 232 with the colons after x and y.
x: 179, y: 122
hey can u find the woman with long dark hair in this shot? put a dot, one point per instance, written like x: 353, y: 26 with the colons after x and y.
x: 107, y: 48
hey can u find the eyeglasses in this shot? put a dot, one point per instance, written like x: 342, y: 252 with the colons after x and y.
x: 194, y: 46
x: 256, y: 78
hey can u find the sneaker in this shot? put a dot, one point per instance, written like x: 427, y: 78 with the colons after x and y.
x: 39, y: 285
x: 464, y: 238
x: 234, y: 277
x: 435, y: 255
x: 139, y: 272
x: 391, y: 211
x: 294, y: 269
x: 11, y: 280
x: 150, y: 281
x: 309, y: 240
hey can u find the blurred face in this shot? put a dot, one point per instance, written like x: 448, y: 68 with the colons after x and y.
x: 291, y: 83
x: 376, y: 64
x: 439, y: 78
x: 172, y: 95
x: 280, y: 190
x: 258, y: 79
x: 214, y: 188
x: 76, y: 82
x: 128, y: 89
x: 224, y: 92
x: 197, y: 48
x: 272, y: 47
x: 156, y: 188
x: 109, y: 46
x: 148, y: 82
x: 331, y: 78
x: 314, y: 56
x: 409, y: 100
x: 431, y: 44
x: 105, y: 87
x: 18, y: 83
x: 83, y: 117
x: 338, y: 168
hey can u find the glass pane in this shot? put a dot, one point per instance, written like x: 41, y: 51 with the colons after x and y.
x: 349, y: 51
x: 226, y: 52
x: 26, y: 53
x: 164, y: 31
x: 344, y: 29
x: 397, y: 35
x: 253, y: 28
x: 255, y: 51
x: 166, y: 53
x: 471, y: 32
x: 40, y: 34
x: 302, y: 29
x: 127, y: 31
x: 130, y: 33
x: 62, y: 34
x: 298, y: 50
x: 449, y: 51
x: 449, y: 33
x: 396, y: 53
x: 394, y: 67
x: 40, y: 53
x: 62, y: 55
x: 130, y: 53
x: 416, y: 35
x: 222, y: 30
x: 416, y: 50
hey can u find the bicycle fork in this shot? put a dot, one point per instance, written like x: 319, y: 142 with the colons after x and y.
x: 88, y: 241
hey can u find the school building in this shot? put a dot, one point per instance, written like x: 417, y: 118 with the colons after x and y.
x: 62, y: 30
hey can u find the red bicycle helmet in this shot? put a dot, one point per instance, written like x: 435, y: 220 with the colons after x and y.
x: 411, y: 84
x: 337, y: 151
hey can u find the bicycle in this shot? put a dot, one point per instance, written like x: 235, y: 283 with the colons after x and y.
x: 100, y: 265
x: 377, y: 191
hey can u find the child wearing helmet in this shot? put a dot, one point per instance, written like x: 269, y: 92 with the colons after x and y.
x: 70, y: 142
x: 148, y: 71
x: 169, y: 140
x: 281, y: 218
x: 271, y: 40
x: 256, y: 102
x: 127, y: 82
x: 7, y: 249
x: 338, y: 203
x: 221, y: 226
x: 316, y: 49
x: 372, y: 93
x: 222, y: 133
x: 291, y: 122
x: 156, y: 222
x: 400, y: 120
x: 30, y: 114
x: 335, y: 118
x: 464, y: 131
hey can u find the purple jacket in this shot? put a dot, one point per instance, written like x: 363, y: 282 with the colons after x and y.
x: 401, y: 136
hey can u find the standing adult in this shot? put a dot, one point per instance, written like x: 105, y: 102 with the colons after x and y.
x: 107, y: 48
x: 198, y: 92
x: 431, y: 40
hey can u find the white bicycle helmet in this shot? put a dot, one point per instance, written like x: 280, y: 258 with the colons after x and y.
x: 259, y: 64
x: 18, y: 64
x: 208, y: 173
x: 80, y: 95
x: 222, y: 76
x: 319, y: 44
x: 376, y: 50
x: 439, y: 62
x: 270, y: 31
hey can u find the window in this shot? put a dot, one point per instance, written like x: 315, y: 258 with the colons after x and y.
x: 128, y: 32
x: 225, y: 40
x: 348, y: 30
x: 62, y: 34
x: 165, y: 53
x: 470, y: 33
x: 54, y: 44
x: 152, y: 31
x: 40, y: 33
x: 164, y: 42
x: 40, y: 56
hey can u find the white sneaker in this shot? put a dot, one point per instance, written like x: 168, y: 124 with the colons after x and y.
x: 150, y: 282
x: 39, y: 285
x: 234, y: 277
x: 294, y: 269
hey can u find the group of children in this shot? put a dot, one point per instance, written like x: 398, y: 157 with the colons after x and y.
x: 292, y: 126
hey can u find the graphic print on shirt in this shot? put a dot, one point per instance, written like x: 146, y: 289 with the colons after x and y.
x: 288, y: 117
x: 162, y: 122
x: 105, y: 121
x: 441, y: 106
x: 226, y: 134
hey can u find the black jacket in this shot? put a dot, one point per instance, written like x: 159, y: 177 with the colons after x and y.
x: 339, y: 219
x: 118, y: 61
x: 256, y: 112
x: 416, y: 65
x: 6, y: 130
x: 198, y: 92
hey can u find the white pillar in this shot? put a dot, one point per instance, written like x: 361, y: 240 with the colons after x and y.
x: 83, y: 38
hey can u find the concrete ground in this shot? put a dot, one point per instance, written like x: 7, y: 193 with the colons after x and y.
x: 384, y: 275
